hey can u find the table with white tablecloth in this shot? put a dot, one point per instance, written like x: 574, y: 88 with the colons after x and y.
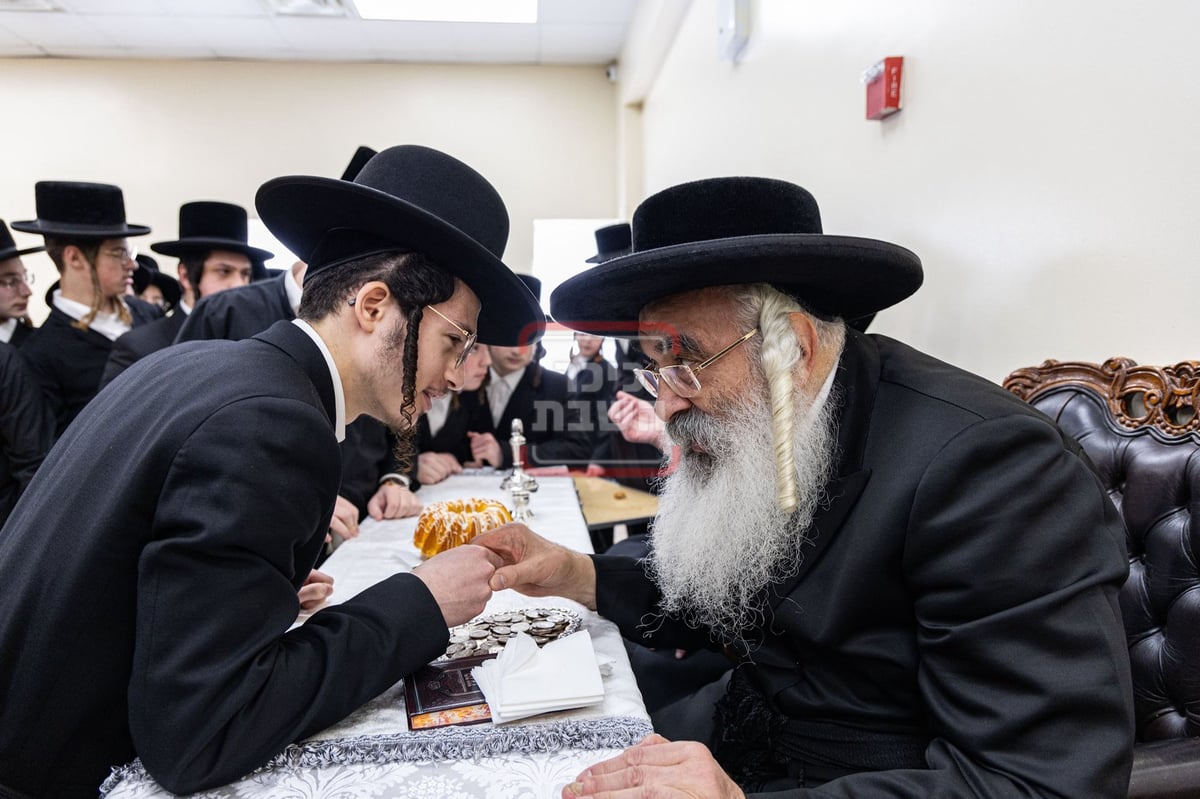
x: 373, y: 754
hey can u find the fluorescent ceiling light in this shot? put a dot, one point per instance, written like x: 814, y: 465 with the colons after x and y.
x: 521, y: 11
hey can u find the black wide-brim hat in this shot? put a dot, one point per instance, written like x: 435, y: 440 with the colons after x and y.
x: 409, y: 198
x: 147, y: 273
x: 72, y: 209
x: 207, y: 225
x: 732, y: 231
x: 612, y: 241
x: 8, y: 247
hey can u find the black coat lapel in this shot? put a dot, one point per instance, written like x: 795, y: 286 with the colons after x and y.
x: 302, y: 349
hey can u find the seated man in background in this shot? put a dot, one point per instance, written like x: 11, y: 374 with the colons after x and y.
x: 519, y: 387
x: 88, y: 240
x: 214, y: 255
x: 916, y: 572
x: 148, y: 603
x: 15, y: 291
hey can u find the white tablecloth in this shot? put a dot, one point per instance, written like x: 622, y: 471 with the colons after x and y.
x: 372, y: 754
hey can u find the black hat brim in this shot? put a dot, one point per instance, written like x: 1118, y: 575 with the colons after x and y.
x: 67, y: 230
x: 181, y: 247
x: 600, y: 258
x: 831, y: 275
x: 17, y: 253
x: 299, y: 210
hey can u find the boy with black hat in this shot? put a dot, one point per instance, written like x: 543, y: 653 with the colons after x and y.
x: 916, y: 573
x: 214, y: 255
x: 87, y: 238
x: 15, y: 291
x: 157, y: 623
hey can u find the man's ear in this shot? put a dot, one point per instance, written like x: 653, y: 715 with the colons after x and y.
x: 371, y: 304
x: 806, y: 337
x: 73, y: 258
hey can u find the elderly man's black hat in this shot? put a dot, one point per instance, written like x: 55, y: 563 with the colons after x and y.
x: 730, y: 231
x: 408, y: 198
x: 76, y: 210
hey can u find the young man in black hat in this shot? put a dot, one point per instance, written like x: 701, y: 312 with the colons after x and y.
x: 87, y: 237
x: 915, y: 572
x: 15, y: 291
x: 152, y: 286
x: 214, y: 255
x: 156, y: 624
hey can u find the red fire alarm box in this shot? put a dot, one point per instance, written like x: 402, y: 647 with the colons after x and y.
x: 883, y: 87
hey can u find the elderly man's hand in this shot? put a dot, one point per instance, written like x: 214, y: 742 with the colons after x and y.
x: 345, y: 518
x: 316, y: 589
x: 656, y: 769
x: 459, y: 581
x: 434, y: 467
x: 637, y: 421
x: 536, y: 567
x: 393, y: 501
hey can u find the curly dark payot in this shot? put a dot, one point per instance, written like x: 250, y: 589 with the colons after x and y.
x: 415, y: 281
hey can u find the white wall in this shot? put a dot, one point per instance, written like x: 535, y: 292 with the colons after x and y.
x: 169, y: 132
x: 1046, y: 165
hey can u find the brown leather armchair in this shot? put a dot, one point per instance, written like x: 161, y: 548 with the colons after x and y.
x: 1140, y: 427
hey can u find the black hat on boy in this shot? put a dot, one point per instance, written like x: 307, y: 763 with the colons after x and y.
x: 408, y: 198
x: 612, y: 241
x: 208, y: 225
x: 75, y: 210
x: 730, y: 231
x: 147, y: 274
x: 8, y: 247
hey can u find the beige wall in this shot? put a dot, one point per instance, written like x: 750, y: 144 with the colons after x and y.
x: 1046, y: 165
x: 170, y: 132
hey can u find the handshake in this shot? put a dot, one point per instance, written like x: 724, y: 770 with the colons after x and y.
x: 512, y: 556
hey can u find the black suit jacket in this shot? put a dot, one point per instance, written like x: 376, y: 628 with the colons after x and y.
x: 140, y: 342
x: 148, y: 599
x: 21, y: 334
x: 960, y: 584
x: 238, y: 313
x: 552, y: 430
x: 68, y: 363
x: 26, y: 428
x: 452, y: 437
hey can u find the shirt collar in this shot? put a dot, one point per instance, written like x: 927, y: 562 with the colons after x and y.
x: 7, y: 328
x: 108, y: 325
x: 339, y: 397
x: 511, y: 379
x: 293, y: 290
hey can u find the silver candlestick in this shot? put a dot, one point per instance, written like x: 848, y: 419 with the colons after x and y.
x: 519, y: 484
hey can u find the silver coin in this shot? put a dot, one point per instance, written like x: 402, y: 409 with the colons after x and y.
x: 500, y: 629
x: 520, y: 627
x: 542, y: 626
x: 477, y: 633
x: 458, y: 638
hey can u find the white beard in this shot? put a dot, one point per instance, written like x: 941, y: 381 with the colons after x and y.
x: 720, y: 537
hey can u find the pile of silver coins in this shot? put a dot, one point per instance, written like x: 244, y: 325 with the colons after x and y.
x: 489, y: 634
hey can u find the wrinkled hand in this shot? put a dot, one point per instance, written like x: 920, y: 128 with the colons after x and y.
x: 656, y: 768
x: 393, y: 501
x: 345, y: 518
x: 485, y: 449
x: 637, y: 421
x: 434, y: 467
x: 459, y: 581
x: 536, y: 567
x: 316, y: 589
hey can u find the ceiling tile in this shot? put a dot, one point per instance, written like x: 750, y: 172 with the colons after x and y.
x: 157, y: 33
x: 580, y: 44
x: 55, y: 29
x: 585, y: 11
x: 123, y: 8
x: 322, y: 35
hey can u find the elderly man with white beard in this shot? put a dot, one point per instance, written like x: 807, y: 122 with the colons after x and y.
x: 915, y: 573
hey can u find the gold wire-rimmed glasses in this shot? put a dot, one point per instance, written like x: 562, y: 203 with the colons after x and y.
x: 680, y: 377
x: 122, y: 254
x: 470, y: 337
x: 10, y: 282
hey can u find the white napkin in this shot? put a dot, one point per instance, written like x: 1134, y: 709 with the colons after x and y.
x: 525, y: 681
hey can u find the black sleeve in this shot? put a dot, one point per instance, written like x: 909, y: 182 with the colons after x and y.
x: 26, y: 427
x: 121, y: 358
